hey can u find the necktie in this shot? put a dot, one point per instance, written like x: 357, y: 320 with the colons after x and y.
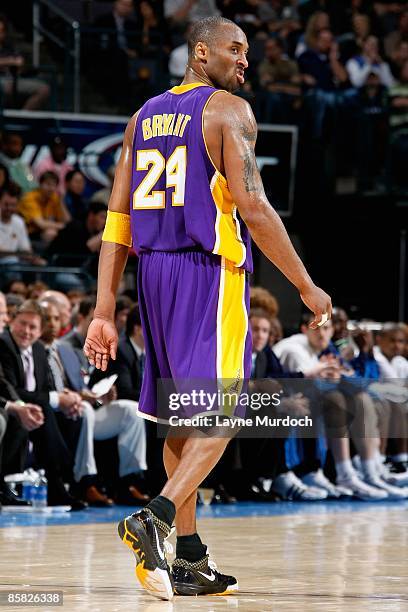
x: 28, y: 364
x: 142, y: 362
x: 56, y: 370
x: 253, y: 366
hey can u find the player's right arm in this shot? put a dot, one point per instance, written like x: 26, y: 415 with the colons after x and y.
x: 239, y: 132
x: 102, y: 338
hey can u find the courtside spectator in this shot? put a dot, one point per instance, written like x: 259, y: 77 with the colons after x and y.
x: 76, y: 337
x: 64, y: 307
x: 25, y: 366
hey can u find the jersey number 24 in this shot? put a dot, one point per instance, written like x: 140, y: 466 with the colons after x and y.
x: 145, y: 196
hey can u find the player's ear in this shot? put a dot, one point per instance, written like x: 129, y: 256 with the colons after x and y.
x: 201, y: 52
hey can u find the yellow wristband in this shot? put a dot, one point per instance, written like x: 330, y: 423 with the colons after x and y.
x: 117, y: 229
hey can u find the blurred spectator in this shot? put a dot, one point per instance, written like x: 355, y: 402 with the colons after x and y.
x: 279, y: 77
x: 34, y: 91
x: 15, y: 245
x: 178, y: 58
x: 276, y: 72
x: 4, y: 317
x: 130, y: 358
x: 395, y: 38
x: 81, y: 237
x: 14, y: 302
x: 75, y: 187
x: 276, y: 333
x: 116, y: 45
x: 43, y: 211
x: 75, y: 296
x: 389, y: 353
x: 185, y: 11
x: 320, y: 65
x: 398, y: 118
x: 263, y: 299
x: 11, y: 156
x: 4, y: 176
x: 317, y: 22
x: 103, y: 195
x: 35, y: 290
x: 372, y: 135
x: 55, y: 161
x: 64, y: 307
x: 398, y: 59
x: 351, y: 43
x: 122, y: 309
x: 369, y: 62
x: 17, y: 287
x: 150, y: 28
x: 76, y: 337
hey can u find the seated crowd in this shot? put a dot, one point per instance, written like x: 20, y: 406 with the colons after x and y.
x: 338, y: 70
x: 96, y: 450
x: 44, y: 216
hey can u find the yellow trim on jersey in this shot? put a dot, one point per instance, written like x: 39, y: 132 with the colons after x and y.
x: 202, y: 132
x: 117, y: 228
x: 232, y: 329
x: 228, y: 241
x: 180, y: 89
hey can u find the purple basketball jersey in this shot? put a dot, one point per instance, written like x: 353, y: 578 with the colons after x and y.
x: 179, y: 200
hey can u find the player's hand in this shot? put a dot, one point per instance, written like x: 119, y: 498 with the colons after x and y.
x: 101, y: 343
x: 319, y: 303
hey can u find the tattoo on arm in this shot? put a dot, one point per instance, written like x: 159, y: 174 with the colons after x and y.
x: 250, y: 177
x: 250, y: 171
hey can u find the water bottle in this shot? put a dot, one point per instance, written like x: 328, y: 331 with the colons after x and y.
x: 41, y: 490
x: 27, y: 484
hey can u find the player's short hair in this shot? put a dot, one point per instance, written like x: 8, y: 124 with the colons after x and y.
x: 206, y: 31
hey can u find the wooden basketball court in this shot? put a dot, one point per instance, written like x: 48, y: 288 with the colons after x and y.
x: 307, y: 558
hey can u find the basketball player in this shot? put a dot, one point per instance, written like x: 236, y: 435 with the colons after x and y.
x: 186, y: 192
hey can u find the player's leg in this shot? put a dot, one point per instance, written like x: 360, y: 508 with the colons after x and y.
x: 186, y: 514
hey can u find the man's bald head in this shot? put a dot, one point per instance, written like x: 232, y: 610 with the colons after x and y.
x: 62, y: 302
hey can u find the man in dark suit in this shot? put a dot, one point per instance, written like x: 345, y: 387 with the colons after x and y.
x: 130, y: 359
x: 114, y: 417
x: 25, y: 365
x: 16, y: 420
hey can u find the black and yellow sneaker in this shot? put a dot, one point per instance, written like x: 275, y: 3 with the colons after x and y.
x: 201, y: 578
x: 145, y: 535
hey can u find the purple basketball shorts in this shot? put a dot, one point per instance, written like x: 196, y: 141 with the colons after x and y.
x: 194, y: 310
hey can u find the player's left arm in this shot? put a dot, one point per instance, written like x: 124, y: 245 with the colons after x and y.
x: 239, y: 132
x: 102, y: 338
